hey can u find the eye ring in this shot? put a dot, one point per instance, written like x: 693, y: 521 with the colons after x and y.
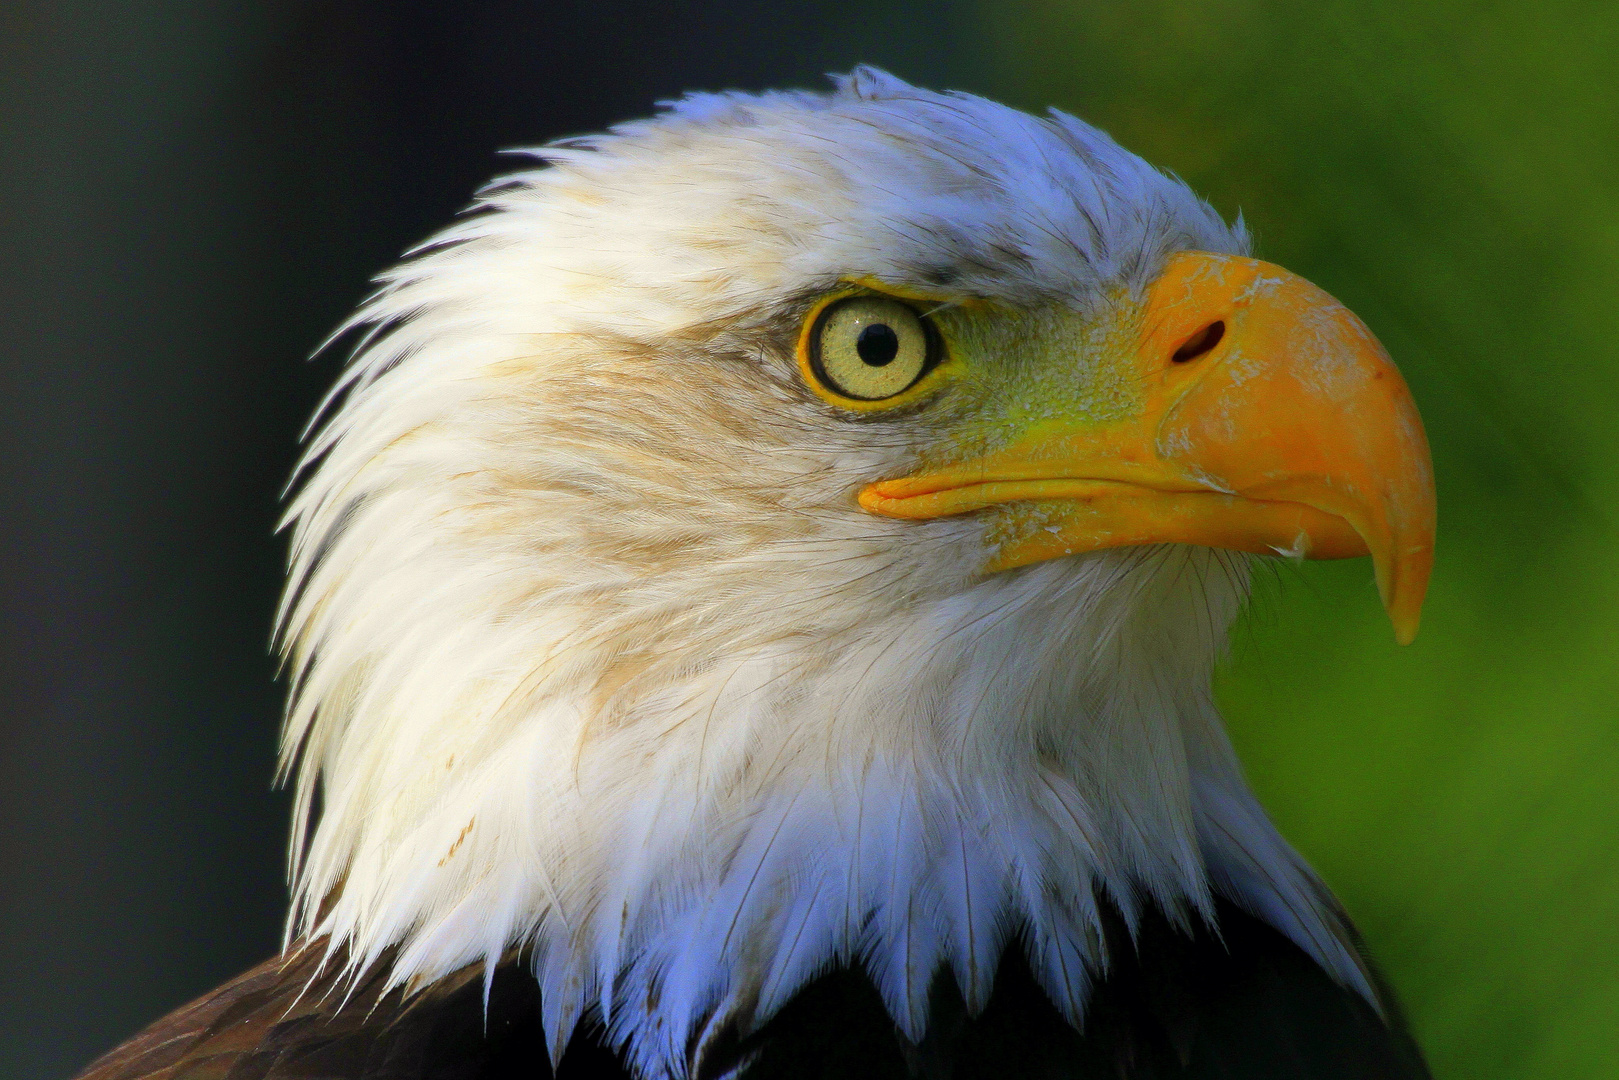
x: 867, y: 349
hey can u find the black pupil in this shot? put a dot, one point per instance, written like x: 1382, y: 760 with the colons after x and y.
x: 877, y: 344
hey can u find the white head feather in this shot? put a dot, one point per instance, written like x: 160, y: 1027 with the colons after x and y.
x: 593, y: 650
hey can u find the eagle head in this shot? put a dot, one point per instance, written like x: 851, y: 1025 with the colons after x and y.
x: 799, y: 530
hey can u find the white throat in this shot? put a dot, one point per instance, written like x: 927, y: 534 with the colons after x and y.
x: 979, y: 766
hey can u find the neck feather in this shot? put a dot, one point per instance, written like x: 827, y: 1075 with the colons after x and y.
x: 912, y: 795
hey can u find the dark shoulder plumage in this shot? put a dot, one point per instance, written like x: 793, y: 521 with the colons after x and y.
x: 293, y: 1018
x: 1241, y: 1003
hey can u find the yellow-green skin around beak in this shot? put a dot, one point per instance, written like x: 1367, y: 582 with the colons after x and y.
x: 1235, y: 406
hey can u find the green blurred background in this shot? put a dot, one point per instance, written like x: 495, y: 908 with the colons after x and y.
x: 194, y: 191
x: 1449, y: 170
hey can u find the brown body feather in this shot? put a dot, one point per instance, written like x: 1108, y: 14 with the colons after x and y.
x: 296, y: 1017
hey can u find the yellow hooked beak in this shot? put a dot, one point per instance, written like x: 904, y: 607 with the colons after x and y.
x: 1274, y: 423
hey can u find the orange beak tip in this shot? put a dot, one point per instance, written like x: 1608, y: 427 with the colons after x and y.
x: 1405, y: 612
x: 1404, y: 594
x: 1406, y: 619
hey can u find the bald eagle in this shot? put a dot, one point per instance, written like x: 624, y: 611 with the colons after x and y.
x: 752, y: 607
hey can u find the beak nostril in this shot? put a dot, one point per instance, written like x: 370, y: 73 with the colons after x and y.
x: 1200, y: 343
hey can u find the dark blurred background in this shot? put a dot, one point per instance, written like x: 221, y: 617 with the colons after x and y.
x: 193, y: 193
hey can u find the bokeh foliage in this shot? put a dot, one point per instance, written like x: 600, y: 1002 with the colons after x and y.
x: 1451, y: 171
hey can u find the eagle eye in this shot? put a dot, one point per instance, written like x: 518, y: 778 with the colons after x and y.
x: 870, y: 348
